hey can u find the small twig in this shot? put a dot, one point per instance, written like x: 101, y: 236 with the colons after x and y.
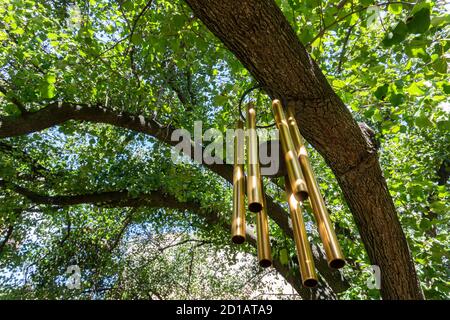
x: 128, y: 219
x: 191, y: 264
x: 344, y: 46
x: 326, y: 28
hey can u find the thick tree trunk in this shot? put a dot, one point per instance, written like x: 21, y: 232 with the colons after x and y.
x: 258, y: 34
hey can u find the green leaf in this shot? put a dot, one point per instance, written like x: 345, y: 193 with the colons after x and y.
x: 443, y: 123
x: 220, y: 100
x: 3, y: 36
x: 400, y: 30
x: 419, y: 6
x: 11, y: 110
x: 397, y: 35
x: 179, y: 21
x: 395, y: 8
x: 377, y: 116
x: 440, y: 65
x: 397, y: 99
x: 284, y: 258
x: 136, y: 38
x: 439, y: 207
x: 419, y: 22
x: 52, y: 36
x: 381, y: 92
x: 422, y: 121
x: 50, y: 78
x: 128, y: 4
x: 417, y: 53
x: 446, y: 88
x: 306, y: 36
x: 338, y: 84
x: 399, y: 83
x: 395, y: 129
x: 292, y: 4
x: 425, y: 224
x: 414, y: 90
x: 18, y: 31
x: 419, y: 42
x: 47, y: 90
x: 440, y: 20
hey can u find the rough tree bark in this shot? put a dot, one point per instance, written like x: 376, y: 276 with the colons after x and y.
x: 257, y: 32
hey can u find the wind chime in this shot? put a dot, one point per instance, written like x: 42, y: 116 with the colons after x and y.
x: 300, y: 185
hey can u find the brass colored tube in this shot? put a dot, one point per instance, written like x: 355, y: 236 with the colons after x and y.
x: 298, y: 184
x: 263, y: 240
x: 304, y: 254
x: 254, y: 182
x: 238, y: 216
x: 327, y: 234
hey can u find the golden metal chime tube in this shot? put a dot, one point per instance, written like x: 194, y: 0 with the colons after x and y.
x: 304, y: 254
x: 298, y: 184
x: 238, y: 217
x: 331, y: 245
x: 263, y: 240
x: 254, y: 183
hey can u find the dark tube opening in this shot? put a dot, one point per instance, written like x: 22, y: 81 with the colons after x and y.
x: 238, y: 239
x: 310, y: 283
x: 265, y: 263
x: 255, y: 207
x: 301, y: 196
x: 337, y: 263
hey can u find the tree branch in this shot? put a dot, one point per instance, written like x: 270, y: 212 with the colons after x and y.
x: 344, y: 47
x: 127, y: 221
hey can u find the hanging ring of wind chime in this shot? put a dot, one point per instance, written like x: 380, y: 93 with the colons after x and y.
x: 300, y: 185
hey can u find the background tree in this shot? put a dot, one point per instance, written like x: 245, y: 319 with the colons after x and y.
x: 93, y: 89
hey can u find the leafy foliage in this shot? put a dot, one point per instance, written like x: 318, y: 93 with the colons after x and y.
x: 388, y: 61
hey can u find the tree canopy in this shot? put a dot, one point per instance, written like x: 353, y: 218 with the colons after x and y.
x: 91, y: 92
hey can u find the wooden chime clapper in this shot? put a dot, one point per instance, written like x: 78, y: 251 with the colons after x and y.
x: 300, y: 185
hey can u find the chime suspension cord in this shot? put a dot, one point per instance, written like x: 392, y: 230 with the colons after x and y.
x: 241, y: 100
